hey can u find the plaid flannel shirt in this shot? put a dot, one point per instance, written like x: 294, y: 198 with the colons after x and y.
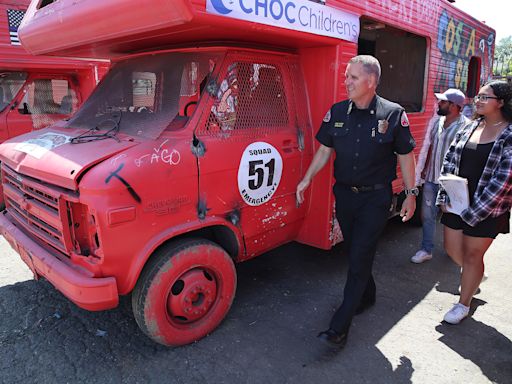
x: 493, y: 195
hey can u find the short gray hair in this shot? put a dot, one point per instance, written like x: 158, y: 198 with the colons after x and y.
x: 370, y: 65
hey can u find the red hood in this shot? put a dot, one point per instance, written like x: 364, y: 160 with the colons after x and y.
x: 48, y: 155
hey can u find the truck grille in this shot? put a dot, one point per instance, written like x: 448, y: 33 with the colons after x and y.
x: 41, y: 210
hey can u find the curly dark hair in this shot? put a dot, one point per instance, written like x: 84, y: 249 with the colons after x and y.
x: 503, y: 91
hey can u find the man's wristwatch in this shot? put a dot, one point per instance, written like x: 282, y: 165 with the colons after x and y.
x: 413, y: 191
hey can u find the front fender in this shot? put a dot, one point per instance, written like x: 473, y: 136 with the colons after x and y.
x: 157, y: 241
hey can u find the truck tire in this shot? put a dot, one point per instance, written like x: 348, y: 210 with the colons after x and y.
x: 184, y: 292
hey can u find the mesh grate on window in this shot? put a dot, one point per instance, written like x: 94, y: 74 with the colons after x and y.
x: 10, y: 85
x: 144, y: 96
x: 251, y: 96
x: 48, y: 101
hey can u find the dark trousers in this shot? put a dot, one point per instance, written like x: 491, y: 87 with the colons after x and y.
x: 362, y: 217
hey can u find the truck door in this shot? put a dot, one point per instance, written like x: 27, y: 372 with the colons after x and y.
x: 42, y: 102
x: 253, y: 159
x: 10, y: 85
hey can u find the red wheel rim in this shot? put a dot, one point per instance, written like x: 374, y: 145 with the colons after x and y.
x: 192, y: 296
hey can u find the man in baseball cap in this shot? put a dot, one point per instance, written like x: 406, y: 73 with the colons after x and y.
x: 453, y: 96
x: 439, y: 135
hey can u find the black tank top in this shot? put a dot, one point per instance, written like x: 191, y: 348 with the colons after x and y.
x: 472, y: 164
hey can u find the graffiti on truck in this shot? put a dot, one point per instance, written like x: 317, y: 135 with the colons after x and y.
x: 458, y: 42
x: 408, y: 11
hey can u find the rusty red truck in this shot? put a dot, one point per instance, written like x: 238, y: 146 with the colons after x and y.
x: 37, y: 91
x: 186, y: 157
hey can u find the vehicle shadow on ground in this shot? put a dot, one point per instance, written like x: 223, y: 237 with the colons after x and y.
x: 284, y: 298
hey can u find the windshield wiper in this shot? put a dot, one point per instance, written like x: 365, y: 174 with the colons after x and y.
x: 87, y: 136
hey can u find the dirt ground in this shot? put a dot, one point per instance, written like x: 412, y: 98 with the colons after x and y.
x: 284, y: 299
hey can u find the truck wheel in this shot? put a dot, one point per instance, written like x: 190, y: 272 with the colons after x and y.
x: 184, y: 292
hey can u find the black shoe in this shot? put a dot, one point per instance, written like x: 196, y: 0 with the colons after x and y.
x: 364, y: 305
x: 333, y: 338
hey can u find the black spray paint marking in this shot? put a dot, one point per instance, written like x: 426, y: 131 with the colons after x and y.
x: 128, y: 186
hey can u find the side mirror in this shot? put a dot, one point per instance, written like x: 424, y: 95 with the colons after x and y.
x: 24, y: 110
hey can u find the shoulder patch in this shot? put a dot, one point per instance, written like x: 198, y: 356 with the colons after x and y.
x: 327, y: 116
x: 404, y: 120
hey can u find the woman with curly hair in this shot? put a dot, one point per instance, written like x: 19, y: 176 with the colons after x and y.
x: 482, y: 153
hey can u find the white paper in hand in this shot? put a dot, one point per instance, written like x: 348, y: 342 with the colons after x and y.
x: 457, y: 189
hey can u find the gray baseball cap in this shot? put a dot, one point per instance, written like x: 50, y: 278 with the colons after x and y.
x: 453, y: 95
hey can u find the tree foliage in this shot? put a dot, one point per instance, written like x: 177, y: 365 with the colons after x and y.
x: 503, y: 57
x: 504, y: 48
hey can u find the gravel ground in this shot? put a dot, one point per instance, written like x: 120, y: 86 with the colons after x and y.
x: 284, y: 299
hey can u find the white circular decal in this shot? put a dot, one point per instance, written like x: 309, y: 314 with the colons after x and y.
x: 259, y: 173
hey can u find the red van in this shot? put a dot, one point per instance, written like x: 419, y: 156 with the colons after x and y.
x: 37, y: 91
x: 186, y: 157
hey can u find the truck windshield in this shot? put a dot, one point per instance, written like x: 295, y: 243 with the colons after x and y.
x: 10, y: 85
x: 146, y: 95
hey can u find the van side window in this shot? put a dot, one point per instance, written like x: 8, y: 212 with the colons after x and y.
x: 402, y: 56
x: 194, y: 78
x: 10, y: 85
x: 47, y: 97
x: 250, y: 95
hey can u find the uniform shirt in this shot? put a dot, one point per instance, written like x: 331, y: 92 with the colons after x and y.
x: 493, y: 195
x: 366, y: 141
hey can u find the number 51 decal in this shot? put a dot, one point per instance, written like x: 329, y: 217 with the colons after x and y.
x: 259, y: 173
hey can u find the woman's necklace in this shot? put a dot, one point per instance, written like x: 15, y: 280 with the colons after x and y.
x: 494, y: 124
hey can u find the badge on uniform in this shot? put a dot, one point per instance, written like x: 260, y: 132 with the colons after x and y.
x: 338, y: 124
x: 404, y: 120
x: 383, y: 126
x: 327, y: 116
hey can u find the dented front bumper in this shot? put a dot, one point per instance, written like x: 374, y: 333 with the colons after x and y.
x: 77, y: 284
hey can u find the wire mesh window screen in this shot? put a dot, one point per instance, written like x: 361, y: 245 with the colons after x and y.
x: 47, y: 101
x: 250, y: 96
x: 10, y: 85
x: 48, y: 97
x: 147, y: 95
x: 144, y: 86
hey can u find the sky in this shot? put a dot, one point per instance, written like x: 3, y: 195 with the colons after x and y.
x: 496, y: 13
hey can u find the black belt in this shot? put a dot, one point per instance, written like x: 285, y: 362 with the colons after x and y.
x: 363, y: 188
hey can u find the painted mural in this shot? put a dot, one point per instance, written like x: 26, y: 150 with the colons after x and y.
x: 457, y: 42
x: 408, y: 11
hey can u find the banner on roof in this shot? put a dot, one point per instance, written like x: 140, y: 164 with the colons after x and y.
x: 299, y: 15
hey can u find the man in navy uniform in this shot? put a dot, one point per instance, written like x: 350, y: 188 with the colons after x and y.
x: 367, y: 133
